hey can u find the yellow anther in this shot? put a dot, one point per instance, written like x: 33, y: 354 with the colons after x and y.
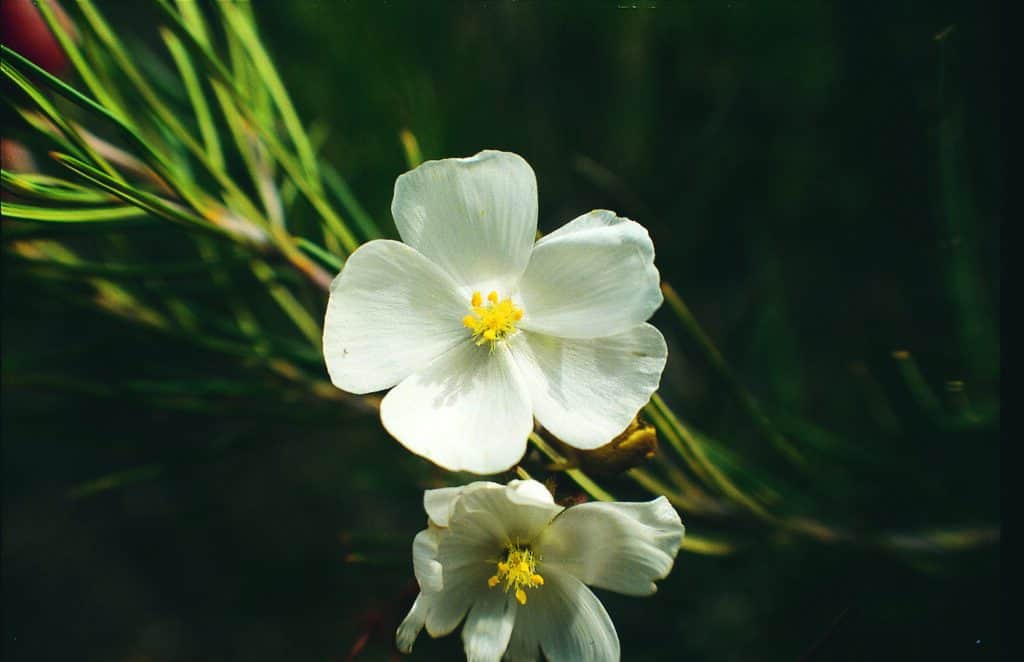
x: 518, y: 570
x: 494, y: 321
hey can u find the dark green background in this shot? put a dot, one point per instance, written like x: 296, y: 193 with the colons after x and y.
x: 822, y: 182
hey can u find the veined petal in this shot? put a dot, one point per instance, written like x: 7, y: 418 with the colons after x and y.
x: 461, y: 590
x: 586, y: 391
x: 593, y: 277
x: 484, y: 521
x: 565, y: 620
x: 467, y: 411
x: 623, y: 547
x: 475, y: 217
x: 439, y: 502
x: 390, y: 313
x: 488, y: 626
x: 529, y: 493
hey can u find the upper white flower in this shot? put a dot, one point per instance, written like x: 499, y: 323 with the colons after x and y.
x: 518, y: 564
x: 482, y: 329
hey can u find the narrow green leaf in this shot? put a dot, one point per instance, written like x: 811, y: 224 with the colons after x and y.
x: 740, y: 392
x: 57, y: 84
x: 115, y: 480
x: 183, y: 187
x: 339, y: 187
x: 46, y: 187
x: 197, y: 40
x: 195, y: 93
x: 50, y: 111
x: 411, y: 147
x: 100, y: 91
x: 326, y: 258
x: 67, y: 215
x: 192, y: 17
x: 288, y: 303
x: 166, y: 114
x: 38, y: 122
x: 269, y: 77
x: 137, y: 197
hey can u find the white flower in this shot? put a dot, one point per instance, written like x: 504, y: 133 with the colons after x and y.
x: 479, y: 329
x: 518, y: 564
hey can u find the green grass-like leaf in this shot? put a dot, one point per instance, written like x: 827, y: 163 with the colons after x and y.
x: 67, y: 215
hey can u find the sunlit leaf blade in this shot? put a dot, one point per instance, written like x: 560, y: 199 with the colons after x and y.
x: 138, y: 197
x: 331, y: 261
x: 104, y: 94
x: 70, y: 215
x: 207, y: 128
x: 46, y: 187
x: 268, y: 75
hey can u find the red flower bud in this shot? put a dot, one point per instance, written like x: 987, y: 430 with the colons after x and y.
x: 23, y: 29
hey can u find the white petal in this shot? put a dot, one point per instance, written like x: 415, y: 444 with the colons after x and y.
x: 594, y: 277
x: 468, y: 411
x: 439, y: 502
x: 390, y: 313
x: 529, y: 492
x: 623, y: 547
x: 475, y: 217
x: 484, y: 521
x: 587, y: 391
x: 411, y: 625
x: 461, y: 589
x: 488, y: 626
x: 567, y: 621
x: 424, y: 561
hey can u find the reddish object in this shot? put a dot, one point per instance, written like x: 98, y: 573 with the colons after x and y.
x: 23, y: 29
x: 15, y: 157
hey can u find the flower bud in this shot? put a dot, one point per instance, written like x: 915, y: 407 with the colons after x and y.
x: 23, y: 29
x: 637, y: 444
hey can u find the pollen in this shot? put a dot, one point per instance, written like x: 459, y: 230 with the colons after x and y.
x: 494, y: 321
x: 518, y: 570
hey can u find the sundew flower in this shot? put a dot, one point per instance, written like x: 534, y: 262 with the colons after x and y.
x: 479, y: 329
x: 515, y: 565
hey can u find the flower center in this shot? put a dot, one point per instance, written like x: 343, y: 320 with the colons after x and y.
x: 518, y: 570
x: 492, y: 322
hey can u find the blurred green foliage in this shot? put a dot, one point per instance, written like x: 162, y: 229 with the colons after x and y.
x: 823, y: 185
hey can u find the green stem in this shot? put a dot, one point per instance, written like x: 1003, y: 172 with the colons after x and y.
x: 742, y: 395
x: 581, y: 479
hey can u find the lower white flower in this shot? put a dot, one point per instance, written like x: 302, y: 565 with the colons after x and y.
x: 518, y: 564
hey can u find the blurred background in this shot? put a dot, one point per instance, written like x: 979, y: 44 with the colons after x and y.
x: 823, y: 185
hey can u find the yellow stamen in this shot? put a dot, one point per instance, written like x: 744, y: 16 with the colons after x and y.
x: 493, y: 322
x: 518, y: 571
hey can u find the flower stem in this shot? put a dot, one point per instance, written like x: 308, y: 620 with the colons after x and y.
x: 582, y: 479
x: 742, y: 395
